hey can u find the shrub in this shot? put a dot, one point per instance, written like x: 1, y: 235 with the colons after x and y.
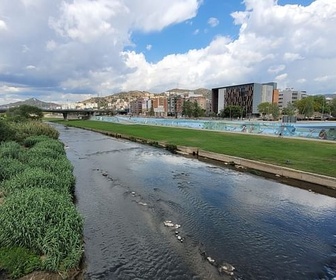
x: 52, y: 144
x: 19, y: 261
x: 6, y: 132
x: 43, y: 152
x: 43, y: 221
x: 172, y: 148
x: 10, y: 167
x: 24, y: 113
x: 35, y: 177
x: 154, y: 143
x: 33, y: 128
x: 58, y: 165
x: 32, y: 140
x: 11, y: 149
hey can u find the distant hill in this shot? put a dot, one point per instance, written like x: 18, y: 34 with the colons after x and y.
x: 331, y: 95
x: 32, y: 102
x: 134, y: 94
x: 201, y: 91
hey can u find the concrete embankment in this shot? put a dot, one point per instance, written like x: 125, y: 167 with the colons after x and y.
x: 278, y: 171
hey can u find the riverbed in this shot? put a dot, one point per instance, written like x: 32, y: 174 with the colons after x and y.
x: 126, y: 191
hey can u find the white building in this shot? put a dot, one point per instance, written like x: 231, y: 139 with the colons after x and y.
x: 289, y: 96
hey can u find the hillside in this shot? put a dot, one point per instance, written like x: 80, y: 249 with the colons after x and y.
x: 134, y: 94
x: 32, y: 102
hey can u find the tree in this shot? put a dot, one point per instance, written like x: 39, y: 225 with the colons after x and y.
x: 24, y: 113
x: 264, y: 108
x: 333, y: 107
x: 306, y: 106
x: 151, y: 111
x: 321, y: 105
x: 197, y: 110
x: 231, y: 111
x: 289, y: 110
x: 269, y: 108
x: 187, y: 108
x: 275, y: 111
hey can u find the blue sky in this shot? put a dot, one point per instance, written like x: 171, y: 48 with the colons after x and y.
x: 195, y: 33
x: 71, y: 50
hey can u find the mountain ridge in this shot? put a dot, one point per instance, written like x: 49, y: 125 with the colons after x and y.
x: 32, y: 102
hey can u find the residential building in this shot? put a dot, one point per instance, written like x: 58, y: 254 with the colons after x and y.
x: 289, y: 96
x: 160, y: 106
x: 247, y: 96
x: 137, y: 106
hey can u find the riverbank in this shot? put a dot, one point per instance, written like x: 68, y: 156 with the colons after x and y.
x: 301, y: 152
x: 126, y: 191
x: 305, y: 180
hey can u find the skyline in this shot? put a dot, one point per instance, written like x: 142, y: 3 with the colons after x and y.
x: 68, y: 51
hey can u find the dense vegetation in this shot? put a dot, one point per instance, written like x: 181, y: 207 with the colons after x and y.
x: 311, y: 156
x: 40, y: 228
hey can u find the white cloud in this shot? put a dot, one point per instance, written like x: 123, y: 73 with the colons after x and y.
x: 3, y: 25
x: 292, y: 57
x: 31, y: 67
x: 9, y: 89
x: 281, y: 77
x: 276, y: 68
x: 301, y: 81
x: 51, y: 45
x: 196, y: 31
x: 325, y: 78
x: 213, y: 22
x: 81, y: 45
x: 149, y: 47
x: 155, y: 15
x: 86, y: 20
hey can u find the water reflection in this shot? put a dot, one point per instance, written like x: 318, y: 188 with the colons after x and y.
x: 267, y: 230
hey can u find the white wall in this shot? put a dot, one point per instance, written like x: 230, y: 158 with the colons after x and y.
x: 221, y: 95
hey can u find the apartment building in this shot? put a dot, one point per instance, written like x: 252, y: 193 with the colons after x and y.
x: 247, y: 96
x: 289, y: 96
x: 160, y: 106
x: 140, y: 106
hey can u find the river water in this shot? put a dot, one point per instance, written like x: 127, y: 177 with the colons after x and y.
x: 125, y: 191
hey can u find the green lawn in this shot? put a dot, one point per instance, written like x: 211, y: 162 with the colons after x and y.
x: 312, y: 156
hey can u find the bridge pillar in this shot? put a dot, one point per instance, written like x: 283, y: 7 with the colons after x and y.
x: 65, y: 116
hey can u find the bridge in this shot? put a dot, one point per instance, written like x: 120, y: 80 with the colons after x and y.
x: 83, y: 112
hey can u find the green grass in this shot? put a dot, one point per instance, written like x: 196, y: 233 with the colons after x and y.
x: 19, y: 261
x: 45, y: 222
x: 311, y: 156
x: 40, y: 227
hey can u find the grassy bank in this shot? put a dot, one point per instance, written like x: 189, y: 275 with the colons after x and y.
x: 311, y: 156
x: 40, y: 228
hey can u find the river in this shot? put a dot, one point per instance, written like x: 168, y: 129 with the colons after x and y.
x: 126, y: 191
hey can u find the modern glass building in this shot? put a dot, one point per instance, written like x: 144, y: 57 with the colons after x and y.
x: 247, y: 96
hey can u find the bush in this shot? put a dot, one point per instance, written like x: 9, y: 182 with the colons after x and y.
x: 33, y: 128
x: 45, y: 222
x: 6, y: 132
x: 11, y: 149
x: 35, y: 177
x: 32, y: 140
x: 172, y: 148
x: 58, y: 166
x: 43, y: 152
x: 19, y: 261
x: 24, y: 113
x: 10, y: 167
x: 52, y: 144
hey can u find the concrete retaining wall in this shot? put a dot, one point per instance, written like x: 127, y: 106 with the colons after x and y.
x: 327, y: 181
